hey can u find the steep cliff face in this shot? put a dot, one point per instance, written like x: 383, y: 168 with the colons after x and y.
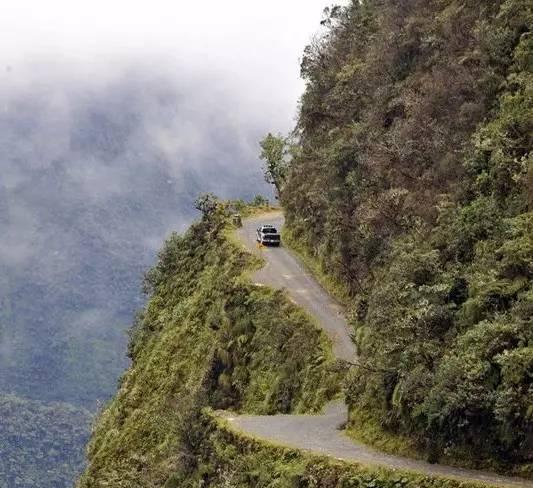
x: 207, y: 337
x: 411, y: 183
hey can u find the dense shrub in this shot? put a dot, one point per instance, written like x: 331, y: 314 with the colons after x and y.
x: 227, y: 458
x: 411, y: 182
x: 206, y: 337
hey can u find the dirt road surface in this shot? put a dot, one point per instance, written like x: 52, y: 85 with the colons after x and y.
x: 320, y: 433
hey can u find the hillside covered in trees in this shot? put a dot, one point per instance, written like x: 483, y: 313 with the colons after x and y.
x: 40, y: 443
x: 87, y: 193
x: 407, y: 185
x: 206, y: 338
x: 409, y: 178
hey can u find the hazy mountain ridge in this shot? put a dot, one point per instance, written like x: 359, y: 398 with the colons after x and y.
x: 40, y: 443
x: 93, y: 178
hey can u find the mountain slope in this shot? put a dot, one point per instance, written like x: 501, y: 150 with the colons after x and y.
x: 407, y: 181
x: 172, y: 440
x: 322, y: 434
x: 283, y: 270
x: 410, y: 184
x: 40, y: 443
x: 207, y: 337
x: 93, y: 176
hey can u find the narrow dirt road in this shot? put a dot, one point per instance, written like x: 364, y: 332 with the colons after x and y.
x: 284, y: 270
x: 320, y: 433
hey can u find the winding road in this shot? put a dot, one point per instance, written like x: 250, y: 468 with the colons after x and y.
x: 321, y: 433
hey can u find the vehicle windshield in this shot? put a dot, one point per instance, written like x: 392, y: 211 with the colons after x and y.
x: 269, y: 230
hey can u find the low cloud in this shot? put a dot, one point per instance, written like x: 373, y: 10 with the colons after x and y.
x: 113, y: 118
x: 94, y: 177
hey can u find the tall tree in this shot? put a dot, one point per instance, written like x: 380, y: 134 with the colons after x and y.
x: 275, y: 153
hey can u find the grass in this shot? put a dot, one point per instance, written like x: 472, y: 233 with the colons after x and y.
x: 362, y: 427
x: 246, y: 210
x: 230, y: 457
x: 255, y: 261
x: 333, y: 286
x: 207, y: 337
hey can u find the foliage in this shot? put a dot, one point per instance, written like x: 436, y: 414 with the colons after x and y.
x: 41, y: 444
x: 227, y: 458
x: 206, y: 337
x: 259, y: 204
x: 393, y: 96
x: 274, y: 151
x: 408, y: 183
x: 412, y: 185
x: 209, y: 205
x: 331, y: 283
x: 87, y: 192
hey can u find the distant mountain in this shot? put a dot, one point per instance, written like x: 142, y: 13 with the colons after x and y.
x: 40, y: 444
x: 93, y: 176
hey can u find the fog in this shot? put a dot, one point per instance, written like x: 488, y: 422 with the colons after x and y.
x: 93, y: 179
x: 253, y: 47
x: 114, y: 116
x: 192, y: 70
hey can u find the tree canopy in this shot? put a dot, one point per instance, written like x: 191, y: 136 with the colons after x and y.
x: 412, y: 185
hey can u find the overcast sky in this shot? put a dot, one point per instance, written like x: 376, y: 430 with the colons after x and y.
x: 251, y: 45
x: 114, y: 116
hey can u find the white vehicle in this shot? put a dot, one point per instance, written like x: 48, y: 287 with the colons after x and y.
x: 268, y: 235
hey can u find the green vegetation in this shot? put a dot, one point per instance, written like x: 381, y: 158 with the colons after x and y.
x: 411, y: 183
x: 408, y: 189
x: 207, y: 337
x: 79, y: 219
x: 337, y: 288
x: 259, y: 204
x: 40, y: 443
x: 227, y: 458
x: 275, y: 152
x: 366, y: 429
